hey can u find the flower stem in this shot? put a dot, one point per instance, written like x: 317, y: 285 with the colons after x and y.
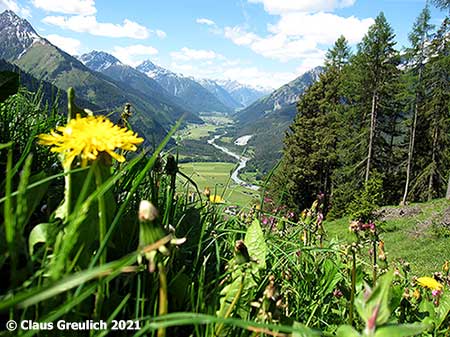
x: 353, y: 288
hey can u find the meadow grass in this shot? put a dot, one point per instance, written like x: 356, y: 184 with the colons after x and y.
x: 216, y: 176
x: 411, y: 237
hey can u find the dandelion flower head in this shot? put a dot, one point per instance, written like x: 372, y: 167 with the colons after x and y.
x: 430, y: 283
x: 87, y: 137
x: 216, y: 199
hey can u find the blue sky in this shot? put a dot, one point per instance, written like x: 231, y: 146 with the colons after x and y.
x: 257, y: 42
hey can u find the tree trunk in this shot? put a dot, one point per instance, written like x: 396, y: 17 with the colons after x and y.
x: 373, y: 119
x: 433, y: 162
x: 447, y: 195
x: 411, y: 150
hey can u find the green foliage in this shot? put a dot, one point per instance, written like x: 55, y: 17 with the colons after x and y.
x: 367, y: 201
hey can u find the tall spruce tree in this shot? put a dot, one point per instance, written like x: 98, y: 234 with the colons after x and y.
x: 415, y: 58
x: 437, y: 111
x: 376, y: 64
x: 370, y: 133
x: 309, y: 155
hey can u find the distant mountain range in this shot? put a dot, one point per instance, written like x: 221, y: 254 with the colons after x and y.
x: 110, y: 66
x: 192, y: 93
x: 22, y: 46
x: 243, y: 94
x: 159, y: 96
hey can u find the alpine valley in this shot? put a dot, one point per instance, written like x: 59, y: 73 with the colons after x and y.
x: 158, y: 96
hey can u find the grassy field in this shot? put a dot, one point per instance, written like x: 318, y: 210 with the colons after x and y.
x: 412, y: 233
x: 199, y: 131
x: 216, y: 176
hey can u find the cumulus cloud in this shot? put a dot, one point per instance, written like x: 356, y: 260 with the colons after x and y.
x: 300, y: 35
x: 69, y: 45
x: 287, y: 6
x: 187, y: 54
x: 80, y: 7
x: 133, y: 55
x: 204, y: 21
x: 89, y: 24
x: 239, y: 36
x: 321, y: 27
x: 15, y: 7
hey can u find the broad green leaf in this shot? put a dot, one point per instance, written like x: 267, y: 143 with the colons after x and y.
x: 443, y: 310
x: 39, y: 234
x: 256, y: 243
x: 403, y: 330
x: 347, y: 331
x: 366, y: 304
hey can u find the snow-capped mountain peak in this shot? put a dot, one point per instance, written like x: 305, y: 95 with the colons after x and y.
x: 98, y: 60
x: 17, y: 34
x: 154, y: 71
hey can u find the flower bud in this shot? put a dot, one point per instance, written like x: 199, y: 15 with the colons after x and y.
x: 147, y: 211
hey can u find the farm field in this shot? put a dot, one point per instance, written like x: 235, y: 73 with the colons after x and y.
x: 216, y: 176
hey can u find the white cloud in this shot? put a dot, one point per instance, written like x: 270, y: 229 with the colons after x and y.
x: 204, y: 21
x: 239, y: 36
x: 256, y: 77
x: 321, y: 27
x: 80, y: 7
x: 187, y: 54
x: 300, y: 35
x: 233, y: 70
x: 69, y: 45
x: 134, y: 55
x: 12, y: 5
x: 89, y: 24
x: 286, y: 6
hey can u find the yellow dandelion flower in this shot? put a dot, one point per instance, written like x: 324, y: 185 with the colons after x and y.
x: 430, y: 283
x: 216, y: 199
x: 87, y: 137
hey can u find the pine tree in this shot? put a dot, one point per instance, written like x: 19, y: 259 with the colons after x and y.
x: 415, y: 59
x: 437, y: 107
x: 442, y: 4
x: 309, y: 155
x: 377, y: 62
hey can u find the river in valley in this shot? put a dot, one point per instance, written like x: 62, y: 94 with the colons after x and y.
x: 241, y: 159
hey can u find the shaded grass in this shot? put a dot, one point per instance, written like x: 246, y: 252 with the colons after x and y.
x: 410, y: 237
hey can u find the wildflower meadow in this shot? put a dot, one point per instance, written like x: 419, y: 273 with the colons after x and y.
x: 99, y: 233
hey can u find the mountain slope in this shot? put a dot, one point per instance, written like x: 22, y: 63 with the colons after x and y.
x: 41, y: 59
x: 268, y: 118
x: 280, y: 102
x: 52, y: 96
x: 110, y: 66
x: 195, y: 97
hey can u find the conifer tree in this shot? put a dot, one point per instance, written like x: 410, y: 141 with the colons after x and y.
x: 376, y: 64
x: 309, y: 155
x: 416, y: 56
x: 437, y: 112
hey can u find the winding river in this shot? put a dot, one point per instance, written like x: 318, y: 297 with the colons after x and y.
x: 241, y: 159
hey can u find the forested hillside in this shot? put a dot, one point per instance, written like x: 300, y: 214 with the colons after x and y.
x: 375, y: 123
